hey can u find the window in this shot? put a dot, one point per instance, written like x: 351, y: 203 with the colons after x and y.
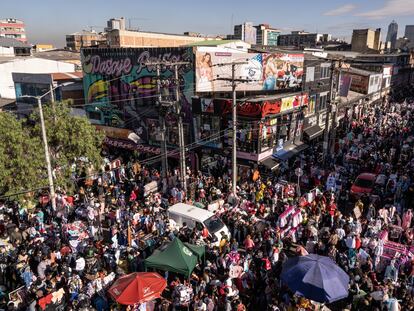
x: 323, y: 99
x: 310, y: 74
x: 268, y: 135
x: 325, y: 70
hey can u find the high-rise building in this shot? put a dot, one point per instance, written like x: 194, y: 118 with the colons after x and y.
x: 392, y: 34
x: 13, y: 28
x: 267, y: 35
x: 409, y: 34
x: 245, y: 32
x: 364, y: 40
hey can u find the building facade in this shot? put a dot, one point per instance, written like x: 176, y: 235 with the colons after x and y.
x: 392, y: 34
x: 301, y: 39
x: 245, y: 32
x: 364, y: 40
x: 26, y: 65
x: 115, y: 23
x: 83, y: 39
x: 267, y: 35
x: 13, y: 28
x: 409, y: 34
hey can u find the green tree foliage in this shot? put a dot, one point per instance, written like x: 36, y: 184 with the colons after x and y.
x: 69, y: 137
x: 22, y: 159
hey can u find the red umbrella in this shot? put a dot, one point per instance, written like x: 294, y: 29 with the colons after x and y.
x: 137, y: 287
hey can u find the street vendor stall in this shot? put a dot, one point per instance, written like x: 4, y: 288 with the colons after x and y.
x: 177, y: 257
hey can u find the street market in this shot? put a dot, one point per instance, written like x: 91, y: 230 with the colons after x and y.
x: 116, y: 246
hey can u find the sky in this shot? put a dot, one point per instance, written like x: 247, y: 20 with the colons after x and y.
x: 48, y: 21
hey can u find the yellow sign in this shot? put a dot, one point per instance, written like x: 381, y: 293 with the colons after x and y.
x: 287, y: 103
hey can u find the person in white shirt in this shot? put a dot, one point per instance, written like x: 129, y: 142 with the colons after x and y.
x: 80, y: 264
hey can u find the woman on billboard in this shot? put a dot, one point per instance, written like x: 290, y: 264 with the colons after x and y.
x: 270, y: 73
x: 205, y: 73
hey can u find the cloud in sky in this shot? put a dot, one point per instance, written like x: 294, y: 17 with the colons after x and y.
x: 391, y: 8
x: 341, y: 10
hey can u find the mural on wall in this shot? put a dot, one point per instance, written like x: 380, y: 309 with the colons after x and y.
x: 120, y: 84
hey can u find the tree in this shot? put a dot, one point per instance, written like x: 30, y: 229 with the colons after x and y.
x: 22, y: 159
x: 70, y: 138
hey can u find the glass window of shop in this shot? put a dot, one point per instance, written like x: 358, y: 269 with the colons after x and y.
x: 248, y: 136
x: 284, y: 127
x: 207, y: 128
x: 268, y: 134
x: 171, y: 135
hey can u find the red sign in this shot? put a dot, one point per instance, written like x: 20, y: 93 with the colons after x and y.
x: 259, y: 109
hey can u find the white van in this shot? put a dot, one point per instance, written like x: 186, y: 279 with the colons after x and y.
x: 197, y: 217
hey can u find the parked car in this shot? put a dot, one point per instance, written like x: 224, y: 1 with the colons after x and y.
x: 364, y: 183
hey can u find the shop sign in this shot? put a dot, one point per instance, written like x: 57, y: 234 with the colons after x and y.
x: 291, y: 102
x: 279, y: 145
x: 311, y: 121
x: 131, y: 146
x: 258, y: 109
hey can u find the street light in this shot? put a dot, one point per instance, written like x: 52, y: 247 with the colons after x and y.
x: 44, y: 137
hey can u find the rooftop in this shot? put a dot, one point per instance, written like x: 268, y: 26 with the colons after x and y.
x: 211, y: 42
x: 62, y: 76
x: 58, y: 54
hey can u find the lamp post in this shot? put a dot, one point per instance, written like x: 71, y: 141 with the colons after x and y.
x: 44, y: 138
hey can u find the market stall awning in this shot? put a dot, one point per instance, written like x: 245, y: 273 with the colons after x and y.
x: 137, y: 287
x: 290, y: 151
x: 313, y: 132
x: 270, y: 163
x: 177, y: 257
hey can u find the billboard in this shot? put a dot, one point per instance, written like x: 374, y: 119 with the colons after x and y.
x: 119, y: 83
x: 282, y: 71
x: 250, y: 33
x: 211, y: 67
x: 267, y: 72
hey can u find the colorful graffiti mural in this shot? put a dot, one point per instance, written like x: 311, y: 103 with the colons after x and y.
x: 120, y: 84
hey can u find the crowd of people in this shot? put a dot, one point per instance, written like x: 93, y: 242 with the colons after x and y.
x: 67, y: 258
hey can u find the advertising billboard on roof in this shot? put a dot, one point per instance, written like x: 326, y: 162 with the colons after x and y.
x: 266, y: 72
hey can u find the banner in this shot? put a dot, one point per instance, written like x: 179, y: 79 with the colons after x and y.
x: 344, y: 85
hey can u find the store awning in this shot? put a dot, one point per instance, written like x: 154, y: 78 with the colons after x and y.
x: 270, y: 163
x: 290, y: 151
x: 313, y: 132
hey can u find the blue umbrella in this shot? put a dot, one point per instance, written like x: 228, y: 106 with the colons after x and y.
x: 315, y: 277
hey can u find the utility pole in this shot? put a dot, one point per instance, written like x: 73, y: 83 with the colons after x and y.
x: 46, y: 147
x: 335, y: 107
x: 234, y: 114
x: 164, y: 156
x: 164, y: 107
x: 181, y: 142
x: 328, y: 114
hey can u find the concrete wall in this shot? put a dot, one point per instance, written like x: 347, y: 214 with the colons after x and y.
x: 27, y: 65
x: 6, y: 51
